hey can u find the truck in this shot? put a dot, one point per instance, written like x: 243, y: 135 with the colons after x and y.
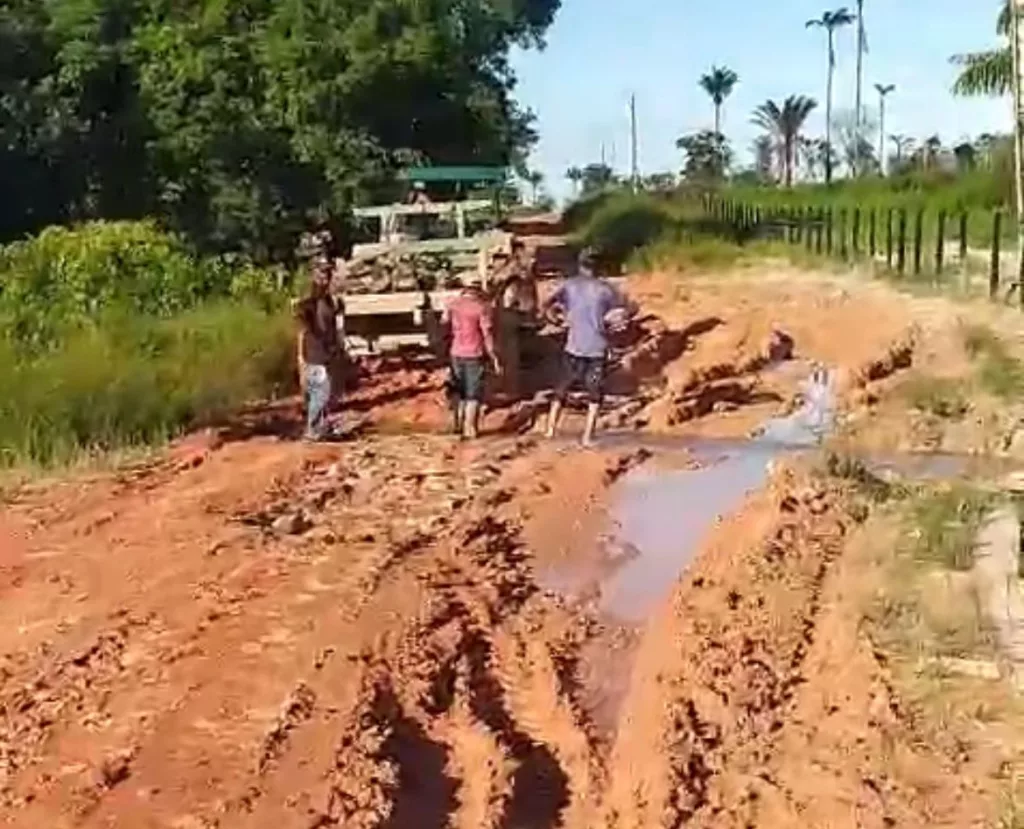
x: 412, y: 256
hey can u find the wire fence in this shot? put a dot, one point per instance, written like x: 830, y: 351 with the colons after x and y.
x: 905, y: 242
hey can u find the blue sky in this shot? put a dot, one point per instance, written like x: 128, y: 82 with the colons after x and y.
x: 600, y: 51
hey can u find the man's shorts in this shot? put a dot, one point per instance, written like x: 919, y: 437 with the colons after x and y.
x: 467, y: 378
x: 585, y: 372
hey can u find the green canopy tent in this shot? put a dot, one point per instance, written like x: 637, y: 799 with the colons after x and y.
x: 462, y: 177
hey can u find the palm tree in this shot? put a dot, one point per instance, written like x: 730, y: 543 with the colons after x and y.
x: 985, y: 145
x: 883, y: 92
x: 785, y: 124
x: 719, y: 83
x: 862, y: 49
x: 903, y: 143
x: 830, y: 21
x: 535, y: 178
x: 931, y: 147
x: 763, y: 163
x: 575, y: 175
x: 991, y: 72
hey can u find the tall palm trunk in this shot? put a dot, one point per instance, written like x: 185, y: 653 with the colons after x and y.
x: 860, y: 75
x: 881, y: 133
x: 1016, y: 37
x: 828, y: 107
x: 718, y: 118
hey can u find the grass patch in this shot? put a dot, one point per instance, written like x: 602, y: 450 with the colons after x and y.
x: 926, y: 605
x: 1000, y: 373
x: 131, y: 381
x: 942, y: 397
x: 943, y: 523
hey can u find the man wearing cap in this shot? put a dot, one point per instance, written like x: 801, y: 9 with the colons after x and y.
x: 584, y: 301
x: 468, y: 317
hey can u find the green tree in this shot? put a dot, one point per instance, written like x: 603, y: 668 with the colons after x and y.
x: 989, y: 72
x: 830, y: 21
x: 575, y: 175
x: 719, y: 84
x: 237, y: 123
x: 595, y: 177
x: 785, y: 123
x: 708, y: 155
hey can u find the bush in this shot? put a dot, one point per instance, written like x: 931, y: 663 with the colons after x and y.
x: 65, y: 278
x: 115, y: 334
x: 626, y: 223
x: 134, y: 380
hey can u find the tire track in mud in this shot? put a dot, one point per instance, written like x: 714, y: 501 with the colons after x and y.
x: 724, y: 670
x: 461, y: 722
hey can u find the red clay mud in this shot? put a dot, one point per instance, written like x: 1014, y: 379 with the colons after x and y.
x: 253, y: 632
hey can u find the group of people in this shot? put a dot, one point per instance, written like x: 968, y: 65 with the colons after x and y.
x: 484, y: 330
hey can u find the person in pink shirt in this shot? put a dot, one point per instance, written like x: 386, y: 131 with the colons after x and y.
x: 468, y: 318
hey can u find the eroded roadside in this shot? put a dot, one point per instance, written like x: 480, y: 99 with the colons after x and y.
x: 258, y: 633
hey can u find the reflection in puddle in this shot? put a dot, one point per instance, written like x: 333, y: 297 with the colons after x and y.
x: 666, y: 515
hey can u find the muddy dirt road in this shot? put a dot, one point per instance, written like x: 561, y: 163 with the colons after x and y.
x: 406, y: 632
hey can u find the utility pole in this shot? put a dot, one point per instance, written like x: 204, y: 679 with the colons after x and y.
x: 634, y: 163
x: 1017, y: 36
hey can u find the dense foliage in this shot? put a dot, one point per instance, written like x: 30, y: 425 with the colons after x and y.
x: 113, y: 333
x: 235, y: 123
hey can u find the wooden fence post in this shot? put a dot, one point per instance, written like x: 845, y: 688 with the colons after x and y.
x: 918, y: 239
x: 856, y: 232
x: 993, y: 274
x: 808, y: 219
x: 965, y: 274
x: 819, y: 232
x: 873, y: 234
x: 828, y: 231
x: 888, y: 239
x: 842, y: 233
x: 940, y: 242
x: 901, y: 243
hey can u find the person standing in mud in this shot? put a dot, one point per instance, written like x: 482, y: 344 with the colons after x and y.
x: 584, y: 301
x: 468, y: 318
x: 319, y: 349
x: 516, y: 306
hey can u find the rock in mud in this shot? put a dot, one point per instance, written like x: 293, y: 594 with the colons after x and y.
x: 292, y: 523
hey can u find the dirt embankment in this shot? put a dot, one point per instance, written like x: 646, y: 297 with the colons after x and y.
x: 252, y: 632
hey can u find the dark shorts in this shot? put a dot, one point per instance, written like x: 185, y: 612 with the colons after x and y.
x: 584, y: 372
x: 467, y: 379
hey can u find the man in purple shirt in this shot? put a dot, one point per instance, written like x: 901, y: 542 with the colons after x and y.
x: 585, y: 301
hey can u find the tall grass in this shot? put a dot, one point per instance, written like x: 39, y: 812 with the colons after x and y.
x: 139, y: 380
x: 114, y: 335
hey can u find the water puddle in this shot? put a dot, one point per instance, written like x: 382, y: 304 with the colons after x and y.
x: 660, y: 516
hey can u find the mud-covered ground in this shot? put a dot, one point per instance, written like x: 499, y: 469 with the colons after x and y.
x: 248, y: 631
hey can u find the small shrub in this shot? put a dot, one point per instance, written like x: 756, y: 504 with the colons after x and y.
x: 1000, y: 373
x: 939, y: 396
x: 944, y: 523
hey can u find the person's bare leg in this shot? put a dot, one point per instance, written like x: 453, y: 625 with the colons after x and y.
x: 471, y: 419
x: 591, y: 425
x: 459, y: 412
x: 554, y: 413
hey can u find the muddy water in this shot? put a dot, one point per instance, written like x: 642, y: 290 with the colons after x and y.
x: 658, y: 517
x: 665, y: 516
